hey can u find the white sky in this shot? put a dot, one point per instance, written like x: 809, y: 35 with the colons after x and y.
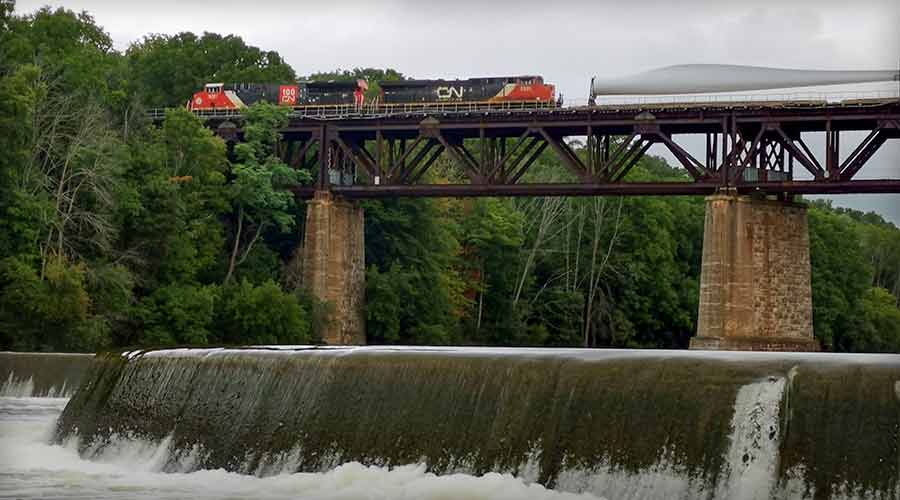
x: 565, y: 41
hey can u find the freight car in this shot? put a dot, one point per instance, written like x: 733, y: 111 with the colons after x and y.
x: 238, y: 95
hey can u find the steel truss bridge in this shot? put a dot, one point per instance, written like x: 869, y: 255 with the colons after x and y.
x: 751, y: 147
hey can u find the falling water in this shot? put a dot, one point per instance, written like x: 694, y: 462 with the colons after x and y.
x: 41, y: 374
x: 467, y: 423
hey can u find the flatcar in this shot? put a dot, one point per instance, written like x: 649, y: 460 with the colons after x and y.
x: 307, y: 93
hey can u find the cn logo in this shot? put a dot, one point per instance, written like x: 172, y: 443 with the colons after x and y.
x: 448, y: 93
x: 287, y: 95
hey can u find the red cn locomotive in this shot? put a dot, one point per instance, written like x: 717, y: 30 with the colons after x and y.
x: 530, y: 89
x: 238, y: 95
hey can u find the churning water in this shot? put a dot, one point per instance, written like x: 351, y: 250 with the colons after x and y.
x: 31, y: 467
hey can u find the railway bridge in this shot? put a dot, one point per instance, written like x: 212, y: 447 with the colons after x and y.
x: 755, y: 282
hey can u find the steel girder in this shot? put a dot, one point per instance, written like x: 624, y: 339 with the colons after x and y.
x: 751, y: 150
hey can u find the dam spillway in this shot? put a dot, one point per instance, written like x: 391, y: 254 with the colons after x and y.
x: 617, y: 424
x: 41, y: 374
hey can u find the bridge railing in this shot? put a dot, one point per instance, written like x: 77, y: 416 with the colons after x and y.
x: 328, y: 112
x: 378, y: 110
x: 458, y: 107
x: 160, y: 113
x: 374, y: 111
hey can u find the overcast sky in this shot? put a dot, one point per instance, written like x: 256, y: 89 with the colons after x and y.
x: 565, y: 41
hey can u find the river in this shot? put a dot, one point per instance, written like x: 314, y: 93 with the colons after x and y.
x: 30, y: 467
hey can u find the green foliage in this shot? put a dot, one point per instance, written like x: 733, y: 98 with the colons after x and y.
x: 492, y: 234
x: 387, y: 295
x: 658, y: 277
x: 168, y: 69
x: 6, y: 10
x: 879, y: 330
x: 263, y: 314
x: 73, y: 51
x: 413, y: 291
x: 175, y: 193
x: 838, y: 282
x: 53, y: 312
x: 177, y: 314
x: 117, y: 232
x: 259, y: 190
x: 21, y: 205
x: 555, y: 314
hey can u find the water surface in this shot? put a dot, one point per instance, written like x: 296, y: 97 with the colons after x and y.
x: 32, y: 468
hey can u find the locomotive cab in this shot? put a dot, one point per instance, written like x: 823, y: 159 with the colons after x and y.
x: 214, y: 96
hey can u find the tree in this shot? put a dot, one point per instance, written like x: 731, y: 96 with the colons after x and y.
x: 492, y: 237
x: 61, y: 161
x: 49, y: 313
x: 264, y: 314
x: 371, y: 75
x: 21, y: 203
x: 177, y: 314
x: 56, y: 142
x: 879, y: 328
x: 6, y: 10
x: 838, y: 282
x: 259, y: 190
x: 542, y: 218
x: 413, y: 291
x: 176, y: 194
x: 168, y: 69
x: 75, y: 161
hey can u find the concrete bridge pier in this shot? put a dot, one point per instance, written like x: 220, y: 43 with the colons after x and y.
x: 755, y: 291
x: 334, y: 265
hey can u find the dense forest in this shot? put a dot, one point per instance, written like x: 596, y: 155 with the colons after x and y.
x: 115, y: 231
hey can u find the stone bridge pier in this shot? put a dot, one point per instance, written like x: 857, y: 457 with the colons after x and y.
x: 334, y: 265
x: 755, y: 291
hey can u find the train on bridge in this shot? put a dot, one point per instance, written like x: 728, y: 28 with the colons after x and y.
x: 673, y: 86
x: 528, y: 90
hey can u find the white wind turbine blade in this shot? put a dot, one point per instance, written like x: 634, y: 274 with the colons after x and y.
x: 708, y: 78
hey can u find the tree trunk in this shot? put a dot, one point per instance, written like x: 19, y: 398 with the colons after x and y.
x: 480, y: 302
x: 550, y: 212
x: 237, y: 243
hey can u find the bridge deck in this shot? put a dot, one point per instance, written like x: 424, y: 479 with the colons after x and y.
x: 350, y: 112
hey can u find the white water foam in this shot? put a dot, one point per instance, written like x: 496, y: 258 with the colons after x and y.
x: 130, y: 468
x: 662, y: 481
x: 753, y: 455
